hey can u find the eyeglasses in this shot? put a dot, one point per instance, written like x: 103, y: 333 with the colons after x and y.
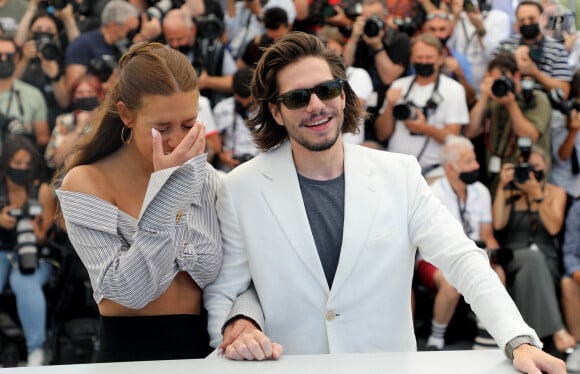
x: 439, y: 15
x: 300, y: 98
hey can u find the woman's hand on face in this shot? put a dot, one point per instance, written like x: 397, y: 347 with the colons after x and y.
x: 192, y: 145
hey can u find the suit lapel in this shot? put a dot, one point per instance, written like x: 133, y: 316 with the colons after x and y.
x: 289, y: 210
x: 361, y: 203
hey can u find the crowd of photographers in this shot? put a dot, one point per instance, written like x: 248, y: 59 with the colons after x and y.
x: 504, y: 76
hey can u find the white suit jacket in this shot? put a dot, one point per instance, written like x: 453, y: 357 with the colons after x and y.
x: 389, y: 211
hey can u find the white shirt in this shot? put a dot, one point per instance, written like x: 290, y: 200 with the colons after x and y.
x: 477, y: 205
x: 362, y: 85
x: 452, y: 110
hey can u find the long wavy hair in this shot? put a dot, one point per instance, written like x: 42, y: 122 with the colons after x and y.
x: 144, y: 70
x: 288, y: 50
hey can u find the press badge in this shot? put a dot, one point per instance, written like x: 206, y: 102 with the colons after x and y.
x: 494, y: 164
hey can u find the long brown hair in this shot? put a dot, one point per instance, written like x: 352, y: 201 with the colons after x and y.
x: 287, y: 50
x: 145, y: 69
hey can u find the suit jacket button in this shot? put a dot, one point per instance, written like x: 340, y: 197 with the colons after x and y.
x: 330, y: 315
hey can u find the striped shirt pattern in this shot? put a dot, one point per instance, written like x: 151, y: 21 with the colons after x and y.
x: 554, y: 60
x: 133, y: 261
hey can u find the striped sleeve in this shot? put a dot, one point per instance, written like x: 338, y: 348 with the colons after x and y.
x: 132, y: 262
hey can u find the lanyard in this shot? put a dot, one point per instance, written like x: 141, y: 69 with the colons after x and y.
x: 467, y: 229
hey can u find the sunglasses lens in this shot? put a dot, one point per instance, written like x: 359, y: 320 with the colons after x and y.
x: 300, y: 98
x: 328, y: 90
x: 296, y: 99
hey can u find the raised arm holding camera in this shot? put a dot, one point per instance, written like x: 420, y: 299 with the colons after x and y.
x: 528, y: 212
x: 508, y: 108
x: 26, y: 213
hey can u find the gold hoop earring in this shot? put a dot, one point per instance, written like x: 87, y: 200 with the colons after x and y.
x: 124, y: 138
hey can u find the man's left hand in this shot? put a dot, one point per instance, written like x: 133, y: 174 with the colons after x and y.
x: 532, y: 360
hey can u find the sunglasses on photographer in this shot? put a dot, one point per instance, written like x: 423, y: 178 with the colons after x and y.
x: 439, y: 15
x: 300, y: 98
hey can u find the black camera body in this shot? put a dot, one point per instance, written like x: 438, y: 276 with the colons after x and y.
x: 373, y: 26
x: 209, y: 26
x: 406, y: 25
x: 404, y: 111
x: 48, y: 48
x: 502, y: 86
x: 470, y: 5
x: 523, y: 169
x: 26, y: 248
x: 103, y: 66
x: 558, y: 102
x: 10, y: 126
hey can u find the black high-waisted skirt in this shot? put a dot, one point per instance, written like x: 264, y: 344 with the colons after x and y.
x: 167, y: 337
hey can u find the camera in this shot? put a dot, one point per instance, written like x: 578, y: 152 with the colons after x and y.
x: 502, y: 86
x: 25, y: 239
x: 406, y: 25
x: 56, y: 4
x: 470, y: 5
x: 523, y: 169
x: 373, y: 26
x: 352, y: 11
x: 556, y: 97
x: 405, y: 111
x: 209, y: 26
x: 48, y: 48
x: 103, y: 67
x: 10, y: 126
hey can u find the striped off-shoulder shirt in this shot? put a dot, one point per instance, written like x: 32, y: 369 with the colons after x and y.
x: 133, y: 261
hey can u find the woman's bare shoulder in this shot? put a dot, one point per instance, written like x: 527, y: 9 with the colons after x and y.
x: 89, y: 179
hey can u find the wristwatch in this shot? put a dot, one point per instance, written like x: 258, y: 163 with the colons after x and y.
x: 516, y: 342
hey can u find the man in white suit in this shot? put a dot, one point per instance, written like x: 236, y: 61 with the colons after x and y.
x: 327, y: 231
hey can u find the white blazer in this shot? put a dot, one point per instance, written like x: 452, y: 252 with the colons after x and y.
x: 389, y: 211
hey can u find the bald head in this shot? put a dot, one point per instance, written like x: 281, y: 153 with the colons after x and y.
x: 178, y: 28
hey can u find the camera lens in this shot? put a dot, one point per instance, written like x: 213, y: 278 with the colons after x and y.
x: 373, y: 26
x: 49, y: 50
x: 502, y: 86
x: 403, y: 112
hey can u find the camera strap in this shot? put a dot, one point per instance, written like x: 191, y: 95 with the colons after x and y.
x: 467, y: 229
x: 14, y: 92
x: 431, y: 103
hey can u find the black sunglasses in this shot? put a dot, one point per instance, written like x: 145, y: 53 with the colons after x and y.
x: 300, y: 98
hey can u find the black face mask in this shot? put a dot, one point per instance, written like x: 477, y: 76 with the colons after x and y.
x: 530, y: 32
x: 444, y: 41
x: 539, y: 175
x: 185, y: 49
x: 7, y: 68
x: 424, y: 70
x: 469, y: 177
x: 87, y: 103
x: 18, y: 176
x: 241, y: 109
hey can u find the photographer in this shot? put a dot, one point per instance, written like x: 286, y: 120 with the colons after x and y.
x: 42, y: 62
x: 566, y: 142
x: 22, y: 106
x: 508, y: 108
x: 20, y: 264
x: 544, y: 59
x: 528, y: 212
x: 214, y: 64
x: 382, y: 51
x: 231, y: 115
x: 276, y: 25
x: 97, y: 51
x: 422, y: 109
x: 477, y: 34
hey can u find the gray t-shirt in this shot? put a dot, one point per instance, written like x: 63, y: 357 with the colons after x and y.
x: 324, y: 203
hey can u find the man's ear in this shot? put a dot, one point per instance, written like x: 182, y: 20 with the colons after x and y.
x: 276, y: 114
x: 125, y: 114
